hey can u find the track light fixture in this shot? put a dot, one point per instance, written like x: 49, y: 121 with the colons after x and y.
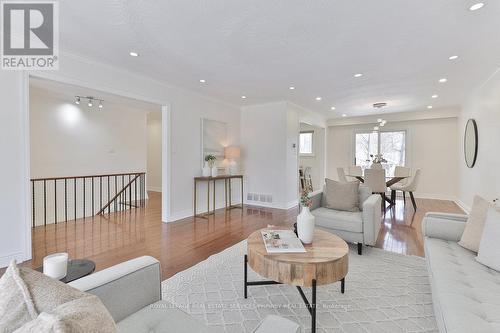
x: 91, y: 100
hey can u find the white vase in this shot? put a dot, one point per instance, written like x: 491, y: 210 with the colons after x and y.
x: 215, y: 172
x: 305, y: 226
x: 206, y: 170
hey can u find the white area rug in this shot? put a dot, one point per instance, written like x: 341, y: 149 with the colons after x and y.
x: 385, y: 292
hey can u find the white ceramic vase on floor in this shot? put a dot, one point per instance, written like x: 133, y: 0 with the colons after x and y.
x: 305, y: 226
x: 206, y: 170
x: 215, y: 172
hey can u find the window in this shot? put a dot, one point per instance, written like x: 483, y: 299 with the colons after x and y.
x: 306, y: 143
x: 391, y: 145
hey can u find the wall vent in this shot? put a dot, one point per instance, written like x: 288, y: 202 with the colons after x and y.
x: 260, y: 197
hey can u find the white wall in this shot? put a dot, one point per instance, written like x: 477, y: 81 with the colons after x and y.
x: 182, y: 120
x: 154, y: 151
x: 317, y: 161
x: 15, y: 231
x: 483, y: 179
x: 431, y: 146
x: 73, y: 140
x: 268, y: 133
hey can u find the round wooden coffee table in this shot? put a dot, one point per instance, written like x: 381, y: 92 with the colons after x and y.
x: 326, y: 261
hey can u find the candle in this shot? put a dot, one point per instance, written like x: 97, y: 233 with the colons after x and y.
x: 56, y: 265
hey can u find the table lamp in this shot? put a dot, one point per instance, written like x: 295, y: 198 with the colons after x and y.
x: 231, y: 153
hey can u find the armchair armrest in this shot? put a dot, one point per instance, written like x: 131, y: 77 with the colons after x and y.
x: 444, y: 226
x: 316, y: 200
x: 372, y: 219
x: 125, y: 288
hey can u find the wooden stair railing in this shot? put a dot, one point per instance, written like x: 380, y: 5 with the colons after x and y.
x: 60, y: 199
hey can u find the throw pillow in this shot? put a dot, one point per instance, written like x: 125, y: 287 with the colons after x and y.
x: 16, y: 306
x: 85, y: 314
x: 489, y: 248
x: 342, y: 196
x: 32, y: 302
x: 475, y: 224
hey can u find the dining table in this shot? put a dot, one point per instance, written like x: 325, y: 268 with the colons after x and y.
x: 389, y: 182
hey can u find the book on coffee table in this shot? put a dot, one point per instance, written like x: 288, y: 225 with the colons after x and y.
x: 282, y: 241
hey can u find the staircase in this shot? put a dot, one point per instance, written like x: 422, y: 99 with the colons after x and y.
x: 61, y: 199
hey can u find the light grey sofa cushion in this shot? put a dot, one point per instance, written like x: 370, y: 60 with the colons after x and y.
x: 338, y: 220
x: 466, y: 294
x: 162, y: 317
x: 364, y: 193
x: 342, y: 196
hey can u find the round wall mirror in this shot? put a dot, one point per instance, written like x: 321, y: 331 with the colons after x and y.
x: 470, y: 143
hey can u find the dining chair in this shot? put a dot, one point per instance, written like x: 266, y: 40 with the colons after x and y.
x: 410, y: 187
x: 355, y: 170
x: 341, y: 175
x: 375, y: 179
x: 401, y: 171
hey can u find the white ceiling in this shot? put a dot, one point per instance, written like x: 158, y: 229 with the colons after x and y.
x: 259, y: 48
x: 69, y: 91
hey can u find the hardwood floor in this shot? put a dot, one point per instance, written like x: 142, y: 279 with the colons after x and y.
x: 179, y: 245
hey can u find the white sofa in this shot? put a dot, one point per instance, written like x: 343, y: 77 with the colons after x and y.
x: 465, y: 293
x: 131, y: 291
x: 355, y: 227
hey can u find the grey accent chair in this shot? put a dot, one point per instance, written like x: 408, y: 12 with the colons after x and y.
x: 355, y: 227
x: 131, y: 291
x: 465, y: 293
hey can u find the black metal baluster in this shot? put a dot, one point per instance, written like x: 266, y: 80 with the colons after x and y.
x: 93, y: 196
x: 33, y: 201
x: 84, y: 181
x: 74, y: 197
x: 55, y: 201
x: 116, y: 191
x: 44, y: 202
x: 135, y: 190
x: 100, y: 192
x: 109, y: 206
x: 129, y: 193
x: 122, y: 196
x: 65, y: 199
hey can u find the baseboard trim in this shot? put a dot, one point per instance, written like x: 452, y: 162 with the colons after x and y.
x: 154, y: 189
x: 5, y: 260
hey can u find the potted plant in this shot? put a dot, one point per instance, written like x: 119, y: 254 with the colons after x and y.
x: 305, y: 220
x: 210, y: 160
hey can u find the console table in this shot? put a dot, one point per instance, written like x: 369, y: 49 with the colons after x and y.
x: 227, y: 193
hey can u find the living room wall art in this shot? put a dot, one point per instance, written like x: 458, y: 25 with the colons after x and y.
x: 213, y: 139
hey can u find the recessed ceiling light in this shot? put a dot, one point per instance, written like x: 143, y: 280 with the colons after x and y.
x: 453, y: 57
x: 133, y: 54
x: 202, y: 81
x: 443, y: 80
x: 434, y: 96
x: 358, y: 75
x: 291, y: 88
x: 318, y: 98
x: 344, y: 115
x: 476, y: 6
x: 429, y: 106
x: 243, y: 97
x: 332, y: 108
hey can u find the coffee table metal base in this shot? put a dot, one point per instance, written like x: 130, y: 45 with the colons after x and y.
x: 311, y: 307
